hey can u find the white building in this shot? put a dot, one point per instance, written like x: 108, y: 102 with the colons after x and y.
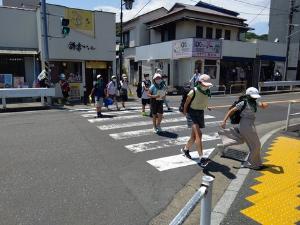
x: 279, y: 20
x: 204, y: 37
x: 81, y: 55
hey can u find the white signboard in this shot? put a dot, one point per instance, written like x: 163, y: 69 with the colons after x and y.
x: 183, y: 48
x: 204, y: 48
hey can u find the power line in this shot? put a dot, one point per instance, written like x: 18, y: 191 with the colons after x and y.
x: 142, y: 9
x: 261, y: 6
x: 258, y: 14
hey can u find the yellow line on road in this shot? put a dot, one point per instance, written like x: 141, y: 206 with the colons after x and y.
x: 277, y: 197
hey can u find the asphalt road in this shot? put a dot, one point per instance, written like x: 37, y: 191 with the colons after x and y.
x: 63, y: 167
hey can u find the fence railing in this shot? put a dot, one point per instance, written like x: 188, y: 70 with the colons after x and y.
x: 289, y: 114
x: 276, y: 84
x: 204, y: 194
x: 24, y: 93
x: 216, y: 89
x: 243, y: 86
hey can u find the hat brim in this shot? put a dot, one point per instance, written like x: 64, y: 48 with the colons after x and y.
x: 255, y: 96
x: 206, y: 84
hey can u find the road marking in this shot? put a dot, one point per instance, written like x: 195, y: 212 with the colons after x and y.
x: 145, y: 132
x: 81, y: 109
x: 177, y: 161
x: 89, y: 115
x: 153, y: 145
x: 140, y: 123
x: 283, y: 177
x: 135, y: 116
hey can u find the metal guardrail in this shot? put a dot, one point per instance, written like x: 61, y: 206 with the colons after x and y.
x: 243, y: 85
x: 276, y: 84
x: 289, y: 114
x: 204, y: 194
x: 25, y: 92
x: 216, y: 89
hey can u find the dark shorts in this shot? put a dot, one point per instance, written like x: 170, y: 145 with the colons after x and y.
x: 195, y: 117
x: 124, y: 95
x: 145, y: 101
x: 157, y: 107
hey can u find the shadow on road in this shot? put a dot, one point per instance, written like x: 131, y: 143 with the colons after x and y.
x: 214, y: 167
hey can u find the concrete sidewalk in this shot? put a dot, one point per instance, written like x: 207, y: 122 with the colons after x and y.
x: 228, y: 180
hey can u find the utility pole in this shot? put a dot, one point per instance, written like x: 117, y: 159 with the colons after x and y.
x: 46, y: 46
x: 290, y: 28
x: 121, y: 44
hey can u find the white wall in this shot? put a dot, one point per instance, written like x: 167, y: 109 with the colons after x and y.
x: 155, y: 51
x: 18, y: 28
x: 104, y: 41
x: 271, y: 48
x: 238, y: 49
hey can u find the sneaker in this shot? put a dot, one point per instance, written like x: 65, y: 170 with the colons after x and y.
x: 221, y: 150
x: 186, y: 153
x: 155, y: 130
x: 99, y: 115
x: 204, y: 162
x: 159, y: 129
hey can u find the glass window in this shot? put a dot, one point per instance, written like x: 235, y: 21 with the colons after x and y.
x: 218, y: 33
x: 199, y: 32
x: 210, y: 68
x: 126, y: 38
x: 227, y: 34
x: 209, y: 33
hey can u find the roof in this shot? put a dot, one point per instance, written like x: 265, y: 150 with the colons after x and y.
x: 135, y: 18
x: 179, y: 7
x: 18, y: 51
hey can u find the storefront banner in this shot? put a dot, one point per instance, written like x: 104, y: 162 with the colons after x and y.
x: 183, y: 48
x: 74, y: 93
x: 5, y: 80
x: 81, y: 20
x: 206, y: 48
x: 194, y: 47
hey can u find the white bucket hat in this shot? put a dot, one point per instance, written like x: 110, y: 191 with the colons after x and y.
x: 98, y: 76
x: 156, y: 75
x: 253, y: 92
x: 204, y: 79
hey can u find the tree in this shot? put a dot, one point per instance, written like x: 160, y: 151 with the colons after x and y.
x: 251, y: 35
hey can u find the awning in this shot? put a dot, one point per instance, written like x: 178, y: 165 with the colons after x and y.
x: 18, y: 52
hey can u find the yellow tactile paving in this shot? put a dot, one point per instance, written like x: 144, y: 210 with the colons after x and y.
x: 277, y: 197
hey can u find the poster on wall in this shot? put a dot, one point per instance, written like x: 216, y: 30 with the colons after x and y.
x: 206, y: 48
x: 183, y: 48
x: 5, y: 80
x: 74, y: 93
x: 18, y: 82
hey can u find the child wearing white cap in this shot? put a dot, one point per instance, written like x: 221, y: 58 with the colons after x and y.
x: 245, y: 131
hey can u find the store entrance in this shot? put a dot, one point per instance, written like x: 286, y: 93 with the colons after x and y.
x: 91, y: 76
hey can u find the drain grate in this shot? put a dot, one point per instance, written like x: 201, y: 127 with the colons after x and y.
x: 235, y: 154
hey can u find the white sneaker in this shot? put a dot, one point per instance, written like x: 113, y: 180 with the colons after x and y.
x: 159, y: 129
x: 155, y: 130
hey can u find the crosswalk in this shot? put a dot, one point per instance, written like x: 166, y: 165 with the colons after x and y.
x: 134, y: 132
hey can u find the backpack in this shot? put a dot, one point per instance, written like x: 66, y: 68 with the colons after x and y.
x: 139, y: 89
x: 235, y: 118
x: 185, y: 90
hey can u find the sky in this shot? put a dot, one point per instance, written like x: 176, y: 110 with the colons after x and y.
x: 256, y: 11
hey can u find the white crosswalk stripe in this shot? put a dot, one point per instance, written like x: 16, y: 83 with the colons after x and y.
x: 153, y: 145
x: 145, y: 132
x: 177, y: 161
x: 140, y: 123
x: 135, y: 126
x: 125, y: 117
